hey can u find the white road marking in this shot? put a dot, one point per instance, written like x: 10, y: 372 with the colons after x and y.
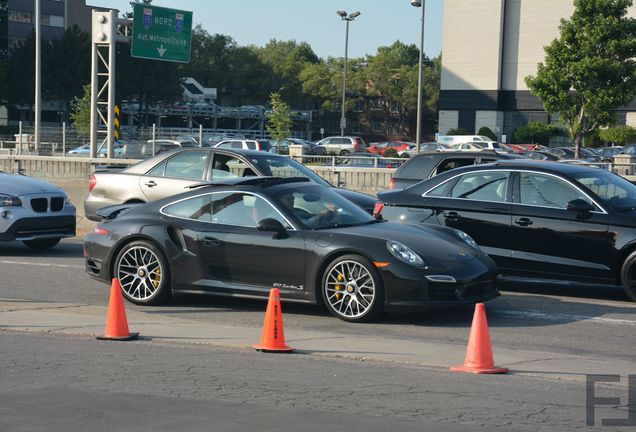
x: 27, y: 263
x: 563, y: 317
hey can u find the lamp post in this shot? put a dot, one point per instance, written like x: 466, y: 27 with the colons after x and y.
x: 422, y: 4
x: 347, y: 18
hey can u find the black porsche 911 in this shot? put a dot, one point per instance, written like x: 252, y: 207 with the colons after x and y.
x: 246, y: 236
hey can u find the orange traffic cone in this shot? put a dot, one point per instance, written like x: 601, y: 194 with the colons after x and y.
x: 479, y: 352
x: 273, y: 336
x: 116, y: 322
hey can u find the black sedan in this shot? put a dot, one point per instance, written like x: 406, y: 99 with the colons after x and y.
x: 546, y: 220
x: 246, y: 236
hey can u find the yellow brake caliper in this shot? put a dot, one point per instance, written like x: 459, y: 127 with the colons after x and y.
x: 339, y: 287
x: 157, y: 279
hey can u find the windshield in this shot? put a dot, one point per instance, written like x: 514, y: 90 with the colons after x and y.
x: 614, y: 190
x: 318, y: 207
x: 285, y: 167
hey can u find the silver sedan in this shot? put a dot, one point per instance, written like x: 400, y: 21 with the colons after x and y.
x: 34, y: 212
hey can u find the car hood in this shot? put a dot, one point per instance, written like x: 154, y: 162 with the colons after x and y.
x: 16, y: 185
x: 427, y: 241
x: 363, y: 200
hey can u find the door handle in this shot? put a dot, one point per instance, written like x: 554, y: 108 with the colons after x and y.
x: 210, y: 241
x: 151, y: 183
x: 451, y: 216
x: 523, y: 222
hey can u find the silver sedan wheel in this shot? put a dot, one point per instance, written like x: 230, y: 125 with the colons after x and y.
x: 350, y: 289
x: 140, y: 273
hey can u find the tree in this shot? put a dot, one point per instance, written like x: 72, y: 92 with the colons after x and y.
x: 534, y: 132
x: 590, y: 70
x: 285, y: 60
x: 279, y: 118
x: 486, y: 131
x: 619, y: 135
x: 81, y: 111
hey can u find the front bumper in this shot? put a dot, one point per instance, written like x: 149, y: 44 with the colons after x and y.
x: 42, y: 227
x: 408, y: 289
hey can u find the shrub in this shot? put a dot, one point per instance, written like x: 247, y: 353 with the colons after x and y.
x: 391, y: 153
x: 619, y: 135
x: 457, y: 131
x: 486, y: 131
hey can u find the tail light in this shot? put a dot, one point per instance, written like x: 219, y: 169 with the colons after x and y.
x: 99, y: 230
x: 377, y: 209
x: 391, y: 184
x: 93, y: 183
x: 258, y: 146
x: 356, y: 144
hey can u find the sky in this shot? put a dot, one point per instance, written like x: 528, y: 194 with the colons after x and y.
x: 255, y: 22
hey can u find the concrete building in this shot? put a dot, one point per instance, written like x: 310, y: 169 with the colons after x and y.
x: 489, y: 47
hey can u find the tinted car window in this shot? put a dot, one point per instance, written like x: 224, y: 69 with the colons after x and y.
x: 265, y: 145
x: 196, y: 208
x: 547, y: 191
x: 251, y: 145
x: 613, y: 189
x: 452, y: 163
x: 482, y: 186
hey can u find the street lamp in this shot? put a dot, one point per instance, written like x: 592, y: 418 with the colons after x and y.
x: 350, y: 17
x: 422, y: 4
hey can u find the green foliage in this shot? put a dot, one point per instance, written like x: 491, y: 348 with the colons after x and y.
x: 81, y: 111
x: 590, y: 70
x: 279, y: 118
x: 391, y: 153
x: 619, y: 135
x: 457, y: 131
x: 534, y: 132
x: 486, y: 131
x: 59, y: 81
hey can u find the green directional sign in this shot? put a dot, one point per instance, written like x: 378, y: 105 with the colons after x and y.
x: 160, y: 33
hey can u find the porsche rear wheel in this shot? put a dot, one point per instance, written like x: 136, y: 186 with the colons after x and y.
x: 628, y: 276
x: 352, y: 289
x: 143, y: 273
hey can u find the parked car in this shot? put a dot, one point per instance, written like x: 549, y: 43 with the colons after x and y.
x: 309, y: 148
x: 568, y: 153
x: 342, y: 144
x: 424, y: 147
x: 538, y: 155
x: 370, y: 160
x: 171, y: 173
x: 429, y: 164
x: 304, y: 238
x: 606, y: 154
x: 34, y: 212
x: 245, y: 144
x: 542, y: 220
x: 216, y: 138
x: 380, y: 148
x: 460, y: 139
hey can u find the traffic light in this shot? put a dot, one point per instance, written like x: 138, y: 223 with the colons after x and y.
x: 116, y: 131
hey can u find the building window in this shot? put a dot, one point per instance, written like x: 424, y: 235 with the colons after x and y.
x: 14, y: 42
x: 20, y: 16
x: 377, y: 126
x: 53, y: 20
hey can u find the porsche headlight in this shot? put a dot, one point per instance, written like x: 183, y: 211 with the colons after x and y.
x: 468, y: 239
x: 9, y: 201
x: 404, y: 253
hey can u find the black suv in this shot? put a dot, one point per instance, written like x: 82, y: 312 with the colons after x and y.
x: 428, y: 164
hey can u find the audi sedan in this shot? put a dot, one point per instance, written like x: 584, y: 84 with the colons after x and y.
x: 34, y: 212
x: 245, y: 236
x: 539, y: 220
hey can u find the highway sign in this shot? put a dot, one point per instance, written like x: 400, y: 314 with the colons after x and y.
x: 161, y: 33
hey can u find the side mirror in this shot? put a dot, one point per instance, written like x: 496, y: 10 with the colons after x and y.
x: 580, y: 206
x: 272, y: 225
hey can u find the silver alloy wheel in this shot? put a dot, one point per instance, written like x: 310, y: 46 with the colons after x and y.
x: 140, y: 273
x: 350, y: 289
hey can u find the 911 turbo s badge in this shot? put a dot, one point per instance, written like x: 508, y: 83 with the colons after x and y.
x: 288, y: 286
